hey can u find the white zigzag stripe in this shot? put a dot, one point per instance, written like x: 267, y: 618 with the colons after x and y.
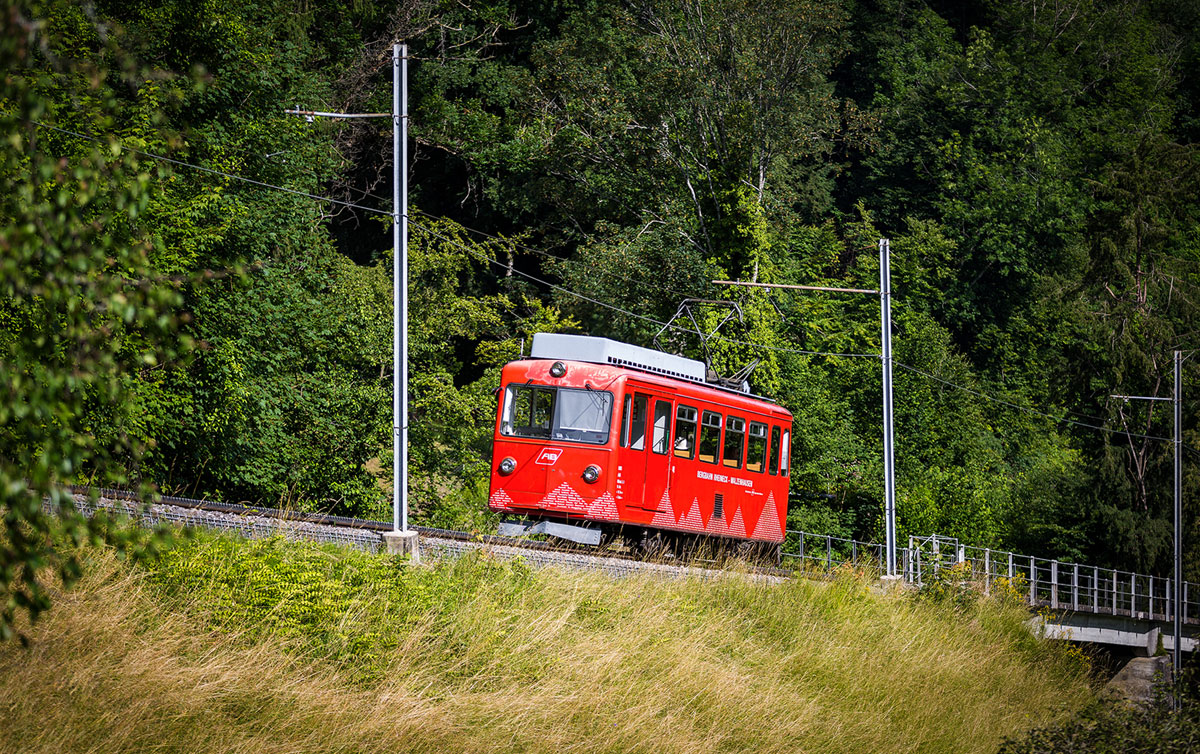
x: 604, y: 507
x: 768, y: 523
x: 501, y: 499
x: 692, y: 519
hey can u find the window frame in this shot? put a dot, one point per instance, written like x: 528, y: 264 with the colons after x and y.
x: 694, y: 421
x: 629, y: 420
x: 750, y: 438
x: 785, y: 457
x: 730, y: 432
x: 701, y: 435
x: 661, y: 445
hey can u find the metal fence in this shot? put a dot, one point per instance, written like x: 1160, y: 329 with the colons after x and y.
x: 1058, y: 585
x: 829, y: 552
x: 1054, y: 584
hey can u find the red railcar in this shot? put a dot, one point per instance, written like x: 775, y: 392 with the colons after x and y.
x: 608, y: 436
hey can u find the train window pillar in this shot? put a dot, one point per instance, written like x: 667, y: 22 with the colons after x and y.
x: 685, y: 432
x: 756, y: 448
x: 633, y: 422
x: 662, y: 427
x: 735, y: 441
x: 710, y: 436
x: 783, y: 464
x: 774, y: 467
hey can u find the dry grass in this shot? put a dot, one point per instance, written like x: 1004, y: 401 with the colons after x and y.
x: 565, y: 662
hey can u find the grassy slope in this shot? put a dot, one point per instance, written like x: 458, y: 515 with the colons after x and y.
x: 273, y: 647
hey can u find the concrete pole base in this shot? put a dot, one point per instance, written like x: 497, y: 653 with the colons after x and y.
x: 403, y: 543
x: 888, y: 583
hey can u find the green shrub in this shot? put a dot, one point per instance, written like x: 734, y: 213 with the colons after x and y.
x: 1115, y: 727
x: 347, y: 605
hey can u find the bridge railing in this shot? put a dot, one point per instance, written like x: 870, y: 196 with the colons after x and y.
x: 1041, y: 582
x: 1058, y: 585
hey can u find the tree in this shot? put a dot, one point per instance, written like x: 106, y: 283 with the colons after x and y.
x: 83, y: 312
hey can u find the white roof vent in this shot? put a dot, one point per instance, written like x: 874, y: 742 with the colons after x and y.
x: 605, y: 351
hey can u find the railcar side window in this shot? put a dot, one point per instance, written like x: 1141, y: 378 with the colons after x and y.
x: 774, y: 451
x: 735, y: 439
x: 756, y: 449
x: 662, y: 427
x: 710, y: 436
x: 783, y: 464
x: 559, y: 414
x: 685, y: 431
x: 633, y: 422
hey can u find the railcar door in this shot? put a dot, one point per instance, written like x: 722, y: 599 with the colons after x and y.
x: 644, y: 474
x: 658, y: 459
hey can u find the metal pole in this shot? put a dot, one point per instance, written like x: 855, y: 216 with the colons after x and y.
x: 1054, y: 584
x: 889, y: 456
x: 400, y: 287
x: 908, y: 555
x: 987, y: 571
x: 1178, y: 515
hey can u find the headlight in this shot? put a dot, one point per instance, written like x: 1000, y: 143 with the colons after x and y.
x: 508, y: 466
x: 558, y: 369
x: 591, y: 474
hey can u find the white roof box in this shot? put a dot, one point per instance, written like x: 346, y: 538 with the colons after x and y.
x: 605, y: 351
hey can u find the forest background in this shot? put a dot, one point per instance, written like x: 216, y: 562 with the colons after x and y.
x: 582, y: 167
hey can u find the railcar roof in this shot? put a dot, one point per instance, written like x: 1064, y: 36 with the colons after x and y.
x: 669, y: 382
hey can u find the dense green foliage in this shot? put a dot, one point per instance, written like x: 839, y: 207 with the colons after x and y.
x: 1032, y: 164
x: 86, y: 319
x: 346, y: 606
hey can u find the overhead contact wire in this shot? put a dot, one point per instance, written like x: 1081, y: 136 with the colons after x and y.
x: 626, y: 312
x: 1034, y: 412
x: 212, y: 171
x: 597, y: 302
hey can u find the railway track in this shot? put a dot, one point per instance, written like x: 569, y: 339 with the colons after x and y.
x: 257, y: 521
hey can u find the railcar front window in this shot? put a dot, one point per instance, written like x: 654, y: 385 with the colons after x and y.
x: 710, y: 436
x: 529, y: 411
x: 557, y: 413
x: 774, y: 451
